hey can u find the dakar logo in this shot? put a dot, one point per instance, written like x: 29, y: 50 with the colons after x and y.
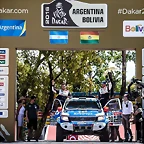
x: 59, y: 15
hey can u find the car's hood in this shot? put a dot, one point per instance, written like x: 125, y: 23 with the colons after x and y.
x: 84, y: 112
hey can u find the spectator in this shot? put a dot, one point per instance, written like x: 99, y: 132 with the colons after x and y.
x: 20, y: 116
x: 127, y: 112
x: 138, y: 120
x: 31, y: 117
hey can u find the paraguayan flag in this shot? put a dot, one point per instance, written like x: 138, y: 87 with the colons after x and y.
x: 58, y: 37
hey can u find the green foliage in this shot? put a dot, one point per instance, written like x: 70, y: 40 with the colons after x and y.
x: 81, y: 70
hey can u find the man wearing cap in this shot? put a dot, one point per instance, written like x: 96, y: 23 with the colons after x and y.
x: 31, y: 116
x: 104, y: 92
x: 127, y: 113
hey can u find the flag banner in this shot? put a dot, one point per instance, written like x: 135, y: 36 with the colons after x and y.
x: 58, y: 37
x: 89, y: 37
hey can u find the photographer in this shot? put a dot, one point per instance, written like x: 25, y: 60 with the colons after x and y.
x: 127, y: 112
x: 138, y: 120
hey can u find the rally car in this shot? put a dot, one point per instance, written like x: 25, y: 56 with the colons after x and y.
x: 82, y: 116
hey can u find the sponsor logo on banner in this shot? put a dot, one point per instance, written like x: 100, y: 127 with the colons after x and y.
x: 1, y: 113
x: 133, y: 28
x: 2, y: 61
x: 2, y: 94
x: 73, y: 14
x: 2, y: 104
x: 2, y: 89
x: 4, y: 57
x: 1, y: 84
x: 2, y: 99
x: 12, y: 28
x: 2, y: 79
x: 2, y: 51
x: 4, y: 70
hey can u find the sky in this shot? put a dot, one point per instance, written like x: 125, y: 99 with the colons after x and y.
x: 130, y: 70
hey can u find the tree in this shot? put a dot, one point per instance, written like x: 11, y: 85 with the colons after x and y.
x: 123, y: 87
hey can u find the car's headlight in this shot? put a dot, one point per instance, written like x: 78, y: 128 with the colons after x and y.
x: 65, y: 118
x: 100, y: 118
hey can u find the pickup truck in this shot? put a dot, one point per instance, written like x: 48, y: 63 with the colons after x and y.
x: 82, y: 116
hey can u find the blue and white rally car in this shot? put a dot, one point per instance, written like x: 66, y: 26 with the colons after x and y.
x: 82, y: 116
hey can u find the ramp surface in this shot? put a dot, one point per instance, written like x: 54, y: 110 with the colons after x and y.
x: 51, y: 134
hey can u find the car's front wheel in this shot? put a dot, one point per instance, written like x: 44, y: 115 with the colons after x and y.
x: 105, y: 135
x: 59, y: 134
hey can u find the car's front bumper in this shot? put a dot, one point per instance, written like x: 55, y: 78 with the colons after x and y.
x: 77, y: 126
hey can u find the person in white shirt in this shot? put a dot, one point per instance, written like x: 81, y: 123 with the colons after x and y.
x: 104, y: 94
x: 63, y: 92
x: 20, y: 116
x: 127, y: 113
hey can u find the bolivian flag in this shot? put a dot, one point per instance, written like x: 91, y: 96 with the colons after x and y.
x: 89, y: 37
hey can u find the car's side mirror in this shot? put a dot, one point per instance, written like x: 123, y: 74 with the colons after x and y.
x: 106, y: 109
x: 59, y: 109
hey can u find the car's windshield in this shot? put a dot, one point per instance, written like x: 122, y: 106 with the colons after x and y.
x: 82, y: 104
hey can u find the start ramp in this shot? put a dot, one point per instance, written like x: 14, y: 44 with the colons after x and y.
x: 50, y: 134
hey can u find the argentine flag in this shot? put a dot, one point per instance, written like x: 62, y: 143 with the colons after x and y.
x: 58, y: 37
